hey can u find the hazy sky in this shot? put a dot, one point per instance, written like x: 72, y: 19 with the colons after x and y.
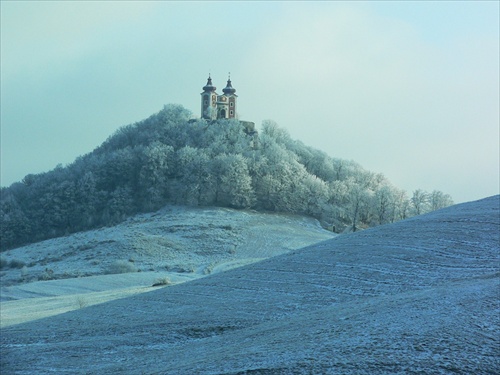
x: 407, y: 89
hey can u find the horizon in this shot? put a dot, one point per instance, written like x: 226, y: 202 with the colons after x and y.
x: 409, y: 90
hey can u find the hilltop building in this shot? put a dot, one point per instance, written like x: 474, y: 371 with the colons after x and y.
x: 215, y: 106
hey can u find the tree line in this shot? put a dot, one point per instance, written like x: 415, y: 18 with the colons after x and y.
x: 170, y: 159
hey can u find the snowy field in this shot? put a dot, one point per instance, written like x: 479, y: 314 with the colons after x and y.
x: 420, y: 296
x: 178, y: 243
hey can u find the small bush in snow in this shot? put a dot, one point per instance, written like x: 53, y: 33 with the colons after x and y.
x: 162, y: 281
x: 121, y: 266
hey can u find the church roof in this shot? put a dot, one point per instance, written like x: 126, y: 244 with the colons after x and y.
x: 209, y: 87
x: 228, y: 89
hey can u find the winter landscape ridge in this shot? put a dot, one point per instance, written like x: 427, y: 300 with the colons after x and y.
x: 419, y: 296
x: 176, y: 243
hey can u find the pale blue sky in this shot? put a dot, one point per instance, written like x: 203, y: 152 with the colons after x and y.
x: 407, y: 89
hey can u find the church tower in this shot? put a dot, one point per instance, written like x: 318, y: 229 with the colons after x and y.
x: 209, y: 101
x: 215, y: 106
x: 230, y: 98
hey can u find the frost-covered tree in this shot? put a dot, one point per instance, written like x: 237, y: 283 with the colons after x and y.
x: 383, y: 204
x: 120, y: 204
x: 272, y: 130
x: 156, y: 160
x: 438, y: 199
x: 234, y: 185
x: 194, y: 181
x: 16, y: 227
x: 314, y: 194
x: 169, y: 158
x: 419, y: 201
x: 358, y: 201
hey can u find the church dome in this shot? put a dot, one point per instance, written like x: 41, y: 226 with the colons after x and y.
x: 209, y: 87
x: 228, y: 89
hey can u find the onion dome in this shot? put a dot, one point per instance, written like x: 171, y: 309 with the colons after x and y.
x: 209, y: 87
x: 228, y: 89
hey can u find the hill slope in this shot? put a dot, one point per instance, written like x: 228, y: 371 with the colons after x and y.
x: 169, y: 159
x: 180, y: 243
x: 417, y: 296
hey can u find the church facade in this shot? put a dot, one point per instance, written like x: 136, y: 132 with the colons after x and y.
x: 215, y: 106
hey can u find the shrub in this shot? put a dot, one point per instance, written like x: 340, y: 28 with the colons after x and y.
x: 162, y: 281
x: 121, y: 266
x: 3, y: 263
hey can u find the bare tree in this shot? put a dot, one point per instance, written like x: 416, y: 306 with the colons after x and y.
x: 438, y: 199
x: 419, y: 201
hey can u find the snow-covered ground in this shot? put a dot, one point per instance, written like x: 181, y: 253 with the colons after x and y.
x: 178, y: 243
x: 416, y: 297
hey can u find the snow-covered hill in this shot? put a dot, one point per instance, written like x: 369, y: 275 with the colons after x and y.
x: 178, y: 243
x: 418, y: 296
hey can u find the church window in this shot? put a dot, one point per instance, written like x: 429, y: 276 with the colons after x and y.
x: 231, y: 112
x: 232, y: 104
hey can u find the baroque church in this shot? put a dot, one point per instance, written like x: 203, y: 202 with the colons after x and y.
x: 215, y: 106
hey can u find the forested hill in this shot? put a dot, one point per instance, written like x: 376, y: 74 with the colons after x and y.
x: 168, y: 159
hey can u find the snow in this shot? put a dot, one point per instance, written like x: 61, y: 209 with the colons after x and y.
x: 418, y: 296
x: 180, y: 243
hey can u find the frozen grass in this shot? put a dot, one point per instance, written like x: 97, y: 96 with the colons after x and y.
x: 174, y: 239
x: 176, y: 243
x: 419, y: 296
x: 121, y: 266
